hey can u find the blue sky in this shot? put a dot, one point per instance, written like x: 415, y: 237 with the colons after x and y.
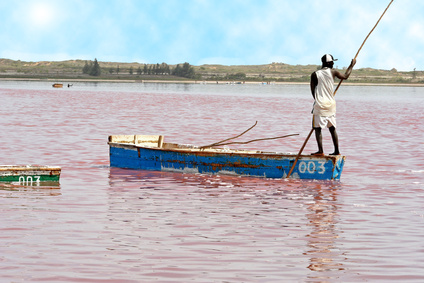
x: 228, y: 32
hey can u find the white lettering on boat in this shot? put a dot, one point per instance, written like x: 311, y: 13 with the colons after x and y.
x: 29, y: 180
x: 312, y: 167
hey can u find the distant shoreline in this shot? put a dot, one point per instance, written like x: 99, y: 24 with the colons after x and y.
x: 201, y: 82
x: 274, y: 73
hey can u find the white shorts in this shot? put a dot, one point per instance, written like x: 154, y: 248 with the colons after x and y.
x: 322, y: 121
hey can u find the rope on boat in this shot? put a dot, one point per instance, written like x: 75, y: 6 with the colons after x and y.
x: 223, y: 142
x: 218, y: 143
x: 255, y: 140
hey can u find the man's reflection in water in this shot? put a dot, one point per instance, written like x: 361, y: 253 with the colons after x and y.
x: 322, y: 249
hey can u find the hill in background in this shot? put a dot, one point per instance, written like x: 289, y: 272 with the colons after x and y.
x: 274, y: 72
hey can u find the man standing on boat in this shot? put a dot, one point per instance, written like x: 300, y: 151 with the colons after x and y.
x: 324, y: 111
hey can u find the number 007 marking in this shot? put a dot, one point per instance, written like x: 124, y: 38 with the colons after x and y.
x: 29, y: 180
x: 312, y: 167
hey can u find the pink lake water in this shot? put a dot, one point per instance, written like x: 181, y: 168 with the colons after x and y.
x: 107, y: 224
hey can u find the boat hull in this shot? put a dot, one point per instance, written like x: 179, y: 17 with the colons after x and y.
x: 29, y: 175
x: 268, y: 165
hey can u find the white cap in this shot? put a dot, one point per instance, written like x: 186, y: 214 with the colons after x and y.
x: 327, y: 58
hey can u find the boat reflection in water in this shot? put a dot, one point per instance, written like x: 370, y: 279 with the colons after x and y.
x: 45, y: 189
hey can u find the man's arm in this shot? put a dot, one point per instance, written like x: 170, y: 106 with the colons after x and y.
x: 314, y: 83
x: 346, y: 75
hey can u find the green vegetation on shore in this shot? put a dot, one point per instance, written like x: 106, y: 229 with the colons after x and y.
x: 274, y: 72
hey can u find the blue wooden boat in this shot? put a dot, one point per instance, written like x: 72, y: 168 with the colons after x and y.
x: 151, y: 153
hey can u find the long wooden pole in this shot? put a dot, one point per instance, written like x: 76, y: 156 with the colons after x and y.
x: 365, y: 41
x: 310, y: 133
x: 300, y: 152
